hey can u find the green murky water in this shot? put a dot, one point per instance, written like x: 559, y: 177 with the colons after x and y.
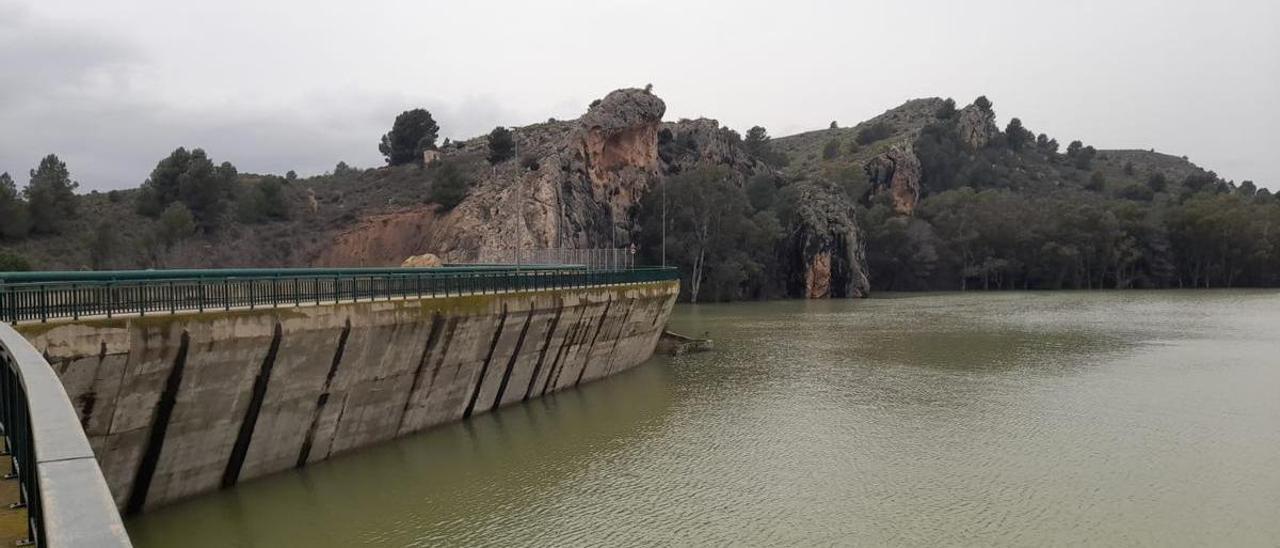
x: 1114, y: 418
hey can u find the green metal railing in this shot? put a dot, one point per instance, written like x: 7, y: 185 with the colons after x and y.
x: 44, y: 296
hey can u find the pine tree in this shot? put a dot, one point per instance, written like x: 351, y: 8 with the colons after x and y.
x: 51, y: 196
x: 501, y: 145
x: 413, y: 132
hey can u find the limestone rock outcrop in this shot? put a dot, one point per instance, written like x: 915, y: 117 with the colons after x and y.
x: 976, y: 126
x: 824, y: 254
x: 898, y: 173
x: 621, y: 131
x: 578, y: 184
x: 686, y: 144
x: 575, y: 184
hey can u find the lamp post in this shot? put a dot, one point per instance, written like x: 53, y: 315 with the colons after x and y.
x: 664, y: 221
x: 515, y: 143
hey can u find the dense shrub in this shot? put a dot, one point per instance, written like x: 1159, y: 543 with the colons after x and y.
x: 831, y: 150
x: 192, y: 179
x: 873, y: 133
x: 449, y: 185
x: 501, y: 145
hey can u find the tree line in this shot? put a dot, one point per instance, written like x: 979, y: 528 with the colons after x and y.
x: 189, y: 195
x: 1073, y: 238
x: 1018, y: 214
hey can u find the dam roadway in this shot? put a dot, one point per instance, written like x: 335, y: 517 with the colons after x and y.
x: 186, y: 382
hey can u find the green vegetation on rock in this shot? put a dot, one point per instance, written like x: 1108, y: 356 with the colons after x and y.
x: 450, y: 185
x: 501, y: 145
x: 873, y: 133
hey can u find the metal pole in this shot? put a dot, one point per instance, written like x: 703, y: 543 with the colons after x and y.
x: 664, y: 222
x: 515, y: 144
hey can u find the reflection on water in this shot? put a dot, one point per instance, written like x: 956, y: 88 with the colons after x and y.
x: 979, y: 418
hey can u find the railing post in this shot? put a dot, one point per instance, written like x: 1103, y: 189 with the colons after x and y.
x: 12, y: 308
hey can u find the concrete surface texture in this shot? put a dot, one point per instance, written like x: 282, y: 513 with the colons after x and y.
x: 179, y: 405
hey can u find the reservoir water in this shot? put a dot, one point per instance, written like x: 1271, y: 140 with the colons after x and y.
x: 1114, y: 418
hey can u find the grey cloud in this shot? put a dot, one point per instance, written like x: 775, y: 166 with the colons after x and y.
x: 272, y: 86
x: 39, y: 61
x: 76, y: 93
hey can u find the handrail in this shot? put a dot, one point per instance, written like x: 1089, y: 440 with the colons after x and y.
x: 65, y: 495
x: 45, y: 296
x: 194, y: 273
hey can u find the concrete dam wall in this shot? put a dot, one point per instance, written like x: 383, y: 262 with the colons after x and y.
x: 183, y: 404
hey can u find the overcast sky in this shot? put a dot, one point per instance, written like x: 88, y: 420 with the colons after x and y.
x: 273, y: 85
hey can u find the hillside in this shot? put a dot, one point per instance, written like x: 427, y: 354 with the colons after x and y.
x: 295, y: 241
x: 805, y: 150
x: 857, y: 160
x: 923, y: 196
x: 948, y: 200
x: 573, y: 184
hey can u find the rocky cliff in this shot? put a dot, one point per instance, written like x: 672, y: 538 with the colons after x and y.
x: 976, y: 126
x: 578, y: 184
x: 896, y: 173
x: 824, y: 254
x: 572, y: 184
x: 887, y: 165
